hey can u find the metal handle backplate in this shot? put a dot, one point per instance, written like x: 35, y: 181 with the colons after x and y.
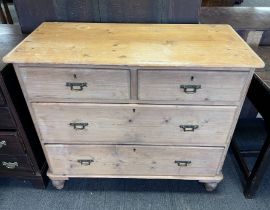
x: 76, y: 86
x: 85, y: 162
x: 187, y: 128
x: 182, y: 162
x: 78, y: 126
x: 10, y: 165
x: 190, y: 89
x: 3, y: 143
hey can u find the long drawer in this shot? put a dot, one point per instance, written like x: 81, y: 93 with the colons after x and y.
x: 15, y: 164
x: 10, y: 144
x: 191, y: 87
x: 73, y: 84
x: 134, y: 124
x: 133, y: 160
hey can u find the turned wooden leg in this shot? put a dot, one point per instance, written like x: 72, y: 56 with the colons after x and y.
x: 58, y: 184
x: 210, y: 186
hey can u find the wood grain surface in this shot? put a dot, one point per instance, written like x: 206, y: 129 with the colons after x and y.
x: 139, y: 133
x: 215, y: 86
x: 136, y: 45
x: 105, y: 84
x: 134, y: 124
x: 133, y: 160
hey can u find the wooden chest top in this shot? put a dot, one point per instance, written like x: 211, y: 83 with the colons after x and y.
x: 153, y: 45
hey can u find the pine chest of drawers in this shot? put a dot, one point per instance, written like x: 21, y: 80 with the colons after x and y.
x: 134, y: 100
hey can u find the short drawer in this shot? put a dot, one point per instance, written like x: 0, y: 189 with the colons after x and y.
x: 6, y: 120
x: 10, y: 144
x: 2, y: 99
x: 16, y: 164
x: 134, y: 124
x: 133, y: 160
x: 191, y: 87
x: 72, y: 84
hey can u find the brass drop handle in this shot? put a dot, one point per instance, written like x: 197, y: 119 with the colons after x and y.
x: 190, y: 89
x: 182, y: 162
x: 3, y: 143
x: 10, y: 165
x: 85, y: 162
x: 187, y: 128
x: 76, y: 86
x: 78, y: 126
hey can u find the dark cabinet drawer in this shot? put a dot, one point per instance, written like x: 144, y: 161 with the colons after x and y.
x: 15, y: 164
x: 2, y: 99
x: 10, y: 144
x: 6, y: 120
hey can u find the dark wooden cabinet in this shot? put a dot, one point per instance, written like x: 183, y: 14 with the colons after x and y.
x: 220, y: 3
x: 21, y: 155
x: 106, y: 11
x: 11, y: 143
x: 19, y: 164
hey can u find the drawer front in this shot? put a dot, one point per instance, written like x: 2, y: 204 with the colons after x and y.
x: 134, y: 124
x: 191, y: 87
x: 133, y: 160
x: 2, y: 99
x: 6, y: 120
x: 15, y: 164
x: 72, y: 84
x: 10, y: 144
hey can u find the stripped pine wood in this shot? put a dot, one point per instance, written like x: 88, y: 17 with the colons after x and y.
x: 151, y: 45
x: 217, y: 178
x: 105, y: 84
x: 214, y: 86
x: 133, y: 160
x: 162, y: 94
x: 134, y: 124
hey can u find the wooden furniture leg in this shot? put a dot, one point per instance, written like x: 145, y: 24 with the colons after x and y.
x: 253, y: 177
x: 57, y: 181
x: 58, y: 184
x: 258, y: 170
x: 259, y: 94
x: 210, y: 186
x: 8, y: 15
x: 2, y: 15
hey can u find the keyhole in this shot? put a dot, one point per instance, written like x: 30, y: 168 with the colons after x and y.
x: 192, y: 78
x: 134, y: 150
x: 75, y: 76
x: 134, y: 110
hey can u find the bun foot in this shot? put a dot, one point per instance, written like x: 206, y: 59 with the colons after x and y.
x: 210, y: 186
x: 58, y: 184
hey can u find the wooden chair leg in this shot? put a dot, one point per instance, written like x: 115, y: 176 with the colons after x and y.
x: 8, y: 15
x: 2, y: 15
x: 258, y: 170
x: 240, y: 159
